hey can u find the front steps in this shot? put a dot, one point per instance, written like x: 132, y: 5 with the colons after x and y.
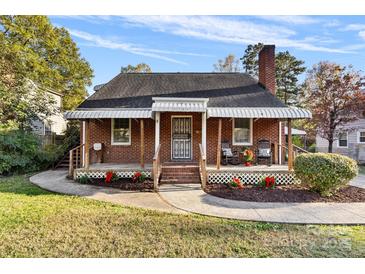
x: 180, y: 173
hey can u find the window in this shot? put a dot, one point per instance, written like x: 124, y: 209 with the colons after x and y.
x: 342, y: 139
x: 242, y: 131
x: 121, y: 131
x: 362, y: 136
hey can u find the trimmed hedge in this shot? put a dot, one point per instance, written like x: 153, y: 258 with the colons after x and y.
x: 325, y: 173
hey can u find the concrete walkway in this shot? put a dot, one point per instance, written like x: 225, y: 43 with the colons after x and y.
x: 183, y: 198
x: 191, y: 198
x: 56, y: 181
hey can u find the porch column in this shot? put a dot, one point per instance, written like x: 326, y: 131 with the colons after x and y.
x: 157, y: 130
x: 87, y: 144
x: 142, y: 142
x: 219, y: 144
x: 83, y: 143
x: 204, y: 132
x: 280, y: 143
x: 290, y: 147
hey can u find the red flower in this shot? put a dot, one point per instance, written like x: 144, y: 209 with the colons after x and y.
x: 109, y: 177
x: 269, y: 182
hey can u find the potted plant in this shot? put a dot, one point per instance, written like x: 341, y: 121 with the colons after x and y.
x: 248, y: 156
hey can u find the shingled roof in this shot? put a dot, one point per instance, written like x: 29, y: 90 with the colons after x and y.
x: 135, y: 90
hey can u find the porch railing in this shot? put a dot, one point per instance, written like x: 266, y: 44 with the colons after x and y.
x: 156, y: 167
x: 75, y: 159
x: 202, y: 166
x: 295, y: 149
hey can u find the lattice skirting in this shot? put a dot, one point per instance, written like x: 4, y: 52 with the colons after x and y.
x: 102, y: 173
x: 281, y: 178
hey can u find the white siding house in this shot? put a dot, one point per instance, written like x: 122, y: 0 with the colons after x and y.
x: 55, y: 124
x: 350, y: 143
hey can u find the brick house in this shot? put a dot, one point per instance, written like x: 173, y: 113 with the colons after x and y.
x: 148, y: 120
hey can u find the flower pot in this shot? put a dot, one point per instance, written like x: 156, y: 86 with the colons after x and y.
x: 248, y: 163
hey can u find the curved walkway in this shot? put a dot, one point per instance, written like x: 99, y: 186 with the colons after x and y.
x: 56, y: 181
x: 182, y: 198
x: 191, y: 198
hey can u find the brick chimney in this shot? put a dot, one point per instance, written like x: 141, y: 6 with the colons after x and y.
x: 267, y: 68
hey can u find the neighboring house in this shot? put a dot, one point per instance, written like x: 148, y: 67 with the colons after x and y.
x: 54, y: 124
x: 350, y: 142
x: 140, y: 118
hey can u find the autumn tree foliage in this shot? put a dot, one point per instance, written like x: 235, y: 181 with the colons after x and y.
x: 228, y: 64
x: 139, y: 68
x: 335, y: 95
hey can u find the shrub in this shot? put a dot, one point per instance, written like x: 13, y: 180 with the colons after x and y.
x: 84, y: 179
x: 21, y: 152
x: 325, y: 173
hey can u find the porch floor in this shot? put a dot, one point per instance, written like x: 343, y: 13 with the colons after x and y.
x: 119, y: 166
x: 242, y: 168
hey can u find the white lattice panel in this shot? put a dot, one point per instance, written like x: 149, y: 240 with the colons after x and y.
x: 249, y: 178
x: 102, y: 174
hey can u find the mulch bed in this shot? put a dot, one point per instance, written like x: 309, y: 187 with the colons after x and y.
x: 124, y: 184
x: 284, y: 193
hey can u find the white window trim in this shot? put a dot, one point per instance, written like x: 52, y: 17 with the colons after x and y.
x: 358, y: 136
x: 251, y: 134
x: 121, y: 143
x: 347, y: 138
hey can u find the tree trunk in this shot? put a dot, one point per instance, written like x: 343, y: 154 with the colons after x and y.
x: 330, y: 146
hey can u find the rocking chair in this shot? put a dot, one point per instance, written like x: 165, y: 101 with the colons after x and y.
x: 264, y: 151
x: 229, y: 157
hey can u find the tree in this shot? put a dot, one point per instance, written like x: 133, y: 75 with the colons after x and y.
x: 142, y: 67
x: 250, y: 59
x: 334, y: 94
x: 33, y: 49
x: 229, y: 64
x: 288, y: 68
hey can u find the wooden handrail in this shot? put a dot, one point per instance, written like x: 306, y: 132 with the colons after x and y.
x: 156, y: 168
x: 202, y: 166
x: 72, y: 166
x: 300, y: 149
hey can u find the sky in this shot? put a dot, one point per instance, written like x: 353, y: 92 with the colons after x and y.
x: 195, y: 43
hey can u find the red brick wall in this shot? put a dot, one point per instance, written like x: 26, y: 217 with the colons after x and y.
x: 100, y: 132
x: 267, y: 75
x: 262, y: 128
x: 165, y: 134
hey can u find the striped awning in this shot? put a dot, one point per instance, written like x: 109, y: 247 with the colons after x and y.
x: 180, y: 104
x: 108, y: 113
x: 283, y: 112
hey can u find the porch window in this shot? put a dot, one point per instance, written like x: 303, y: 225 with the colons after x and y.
x: 121, y: 131
x: 242, y: 131
x: 342, y: 139
x: 362, y: 136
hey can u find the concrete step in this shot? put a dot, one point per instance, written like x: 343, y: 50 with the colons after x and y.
x: 179, y: 181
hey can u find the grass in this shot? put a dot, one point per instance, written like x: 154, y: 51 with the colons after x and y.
x: 37, y: 223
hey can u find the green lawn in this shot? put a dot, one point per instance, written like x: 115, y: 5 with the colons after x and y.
x: 37, y: 223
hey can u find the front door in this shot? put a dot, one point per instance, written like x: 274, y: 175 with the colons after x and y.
x: 181, y: 138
